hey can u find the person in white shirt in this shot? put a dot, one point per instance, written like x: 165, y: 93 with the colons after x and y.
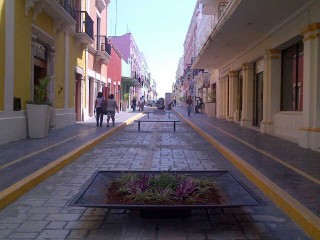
x: 111, y: 107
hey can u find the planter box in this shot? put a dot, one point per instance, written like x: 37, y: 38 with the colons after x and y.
x: 38, y: 120
x: 235, y: 194
x: 124, y: 105
x: 211, y: 109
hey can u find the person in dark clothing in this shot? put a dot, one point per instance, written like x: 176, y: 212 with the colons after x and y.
x: 199, y: 105
x: 189, y: 103
x: 98, y: 109
x: 134, y: 104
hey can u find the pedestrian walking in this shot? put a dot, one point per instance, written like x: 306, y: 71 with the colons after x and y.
x: 189, y: 103
x: 174, y: 102
x: 98, y: 109
x: 111, y: 107
x: 134, y: 104
x: 142, y: 103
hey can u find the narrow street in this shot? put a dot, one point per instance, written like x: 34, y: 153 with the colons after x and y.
x: 44, y: 212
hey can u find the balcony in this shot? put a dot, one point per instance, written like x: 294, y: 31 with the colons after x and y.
x: 69, y: 6
x: 204, y: 29
x: 101, y: 5
x: 62, y: 11
x: 103, y: 48
x: 212, y: 7
x: 84, y: 28
x: 243, y: 24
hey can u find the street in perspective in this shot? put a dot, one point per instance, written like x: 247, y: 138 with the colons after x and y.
x: 160, y: 120
x: 49, y: 210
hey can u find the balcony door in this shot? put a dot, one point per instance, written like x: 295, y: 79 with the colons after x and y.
x: 239, y: 96
x: 98, y: 33
x: 40, y: 63
x: 258, y: 99
x: 78, y: 95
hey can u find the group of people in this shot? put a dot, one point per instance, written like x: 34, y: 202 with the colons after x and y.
x: 140, y: 104
x: 107, y: 107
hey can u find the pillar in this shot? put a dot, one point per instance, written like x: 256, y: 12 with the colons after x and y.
x: 219, y: 98
x: 310, y: 129
x: 247, y: 103
x: 9, y: 56
x: 233, y: 81
x: 271, y: 88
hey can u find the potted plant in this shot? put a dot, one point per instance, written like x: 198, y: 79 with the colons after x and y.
x: 125, y: 102
x: 38, y: 110
x: 211, y: 104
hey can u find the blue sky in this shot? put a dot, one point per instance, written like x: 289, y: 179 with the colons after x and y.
x: 159, y: 28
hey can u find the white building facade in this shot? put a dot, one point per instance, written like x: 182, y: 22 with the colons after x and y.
x: 264, y: 58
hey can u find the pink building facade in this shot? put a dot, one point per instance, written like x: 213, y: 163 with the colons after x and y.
x: 138, y: 84
x: 114, y: 74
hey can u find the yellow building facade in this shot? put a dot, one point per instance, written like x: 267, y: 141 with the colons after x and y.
x: 47, y: 38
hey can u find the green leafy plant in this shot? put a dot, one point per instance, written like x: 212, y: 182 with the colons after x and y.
x: 165, y: 187
x: 126, y: 96
x: 212, y: 96
x: 41, y: 92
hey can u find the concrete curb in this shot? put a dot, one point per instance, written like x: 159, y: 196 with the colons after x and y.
x: 294, y: 209
x: 15, y: 191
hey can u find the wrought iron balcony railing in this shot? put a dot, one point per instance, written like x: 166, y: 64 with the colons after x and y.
x: 84, y: 23
x: 69, y: 6
x: 103, y: 44
x: 222, y: 7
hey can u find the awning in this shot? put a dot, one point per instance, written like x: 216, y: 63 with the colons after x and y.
x: 129, y: 81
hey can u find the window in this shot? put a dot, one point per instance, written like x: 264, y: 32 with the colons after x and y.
x: 98, y: 33
x: 292, y: 78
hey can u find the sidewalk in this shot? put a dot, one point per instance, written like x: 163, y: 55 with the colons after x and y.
x: 43, y: 212
x: 25, y: 163
x: 288, y: 174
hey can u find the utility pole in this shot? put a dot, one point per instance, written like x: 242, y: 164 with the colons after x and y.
x: 115, y: 26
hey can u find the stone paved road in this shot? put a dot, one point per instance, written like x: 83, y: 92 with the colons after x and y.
x: 44, y: 212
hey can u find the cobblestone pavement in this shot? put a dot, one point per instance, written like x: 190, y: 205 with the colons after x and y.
x: 44, y: 212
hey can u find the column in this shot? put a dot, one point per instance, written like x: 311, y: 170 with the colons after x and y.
x: 9, y: 56
x: 66, y: 70
x: 219, y: 98
x: 225, y: 97
x: 233, y: 78
x: 222, y: 98
x: 310, y: 130
x: 247, y: 103
x: 271, y: 88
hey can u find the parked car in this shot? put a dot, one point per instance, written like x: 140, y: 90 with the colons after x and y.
x: 160, y: 103
x: 151, y: 103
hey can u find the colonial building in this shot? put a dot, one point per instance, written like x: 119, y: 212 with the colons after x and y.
x: 65, y: 40
x: 94, y: 58
x: 138, y: 84
x: 114, y: 74
x: 264, y: 58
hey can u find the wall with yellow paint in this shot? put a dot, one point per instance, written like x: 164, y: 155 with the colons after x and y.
x: 59, y: 65
x: 72, y: 64
x: 22, y: 53
x: 22, y: 45
x: 81, y: 62
x: 2, y: 36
